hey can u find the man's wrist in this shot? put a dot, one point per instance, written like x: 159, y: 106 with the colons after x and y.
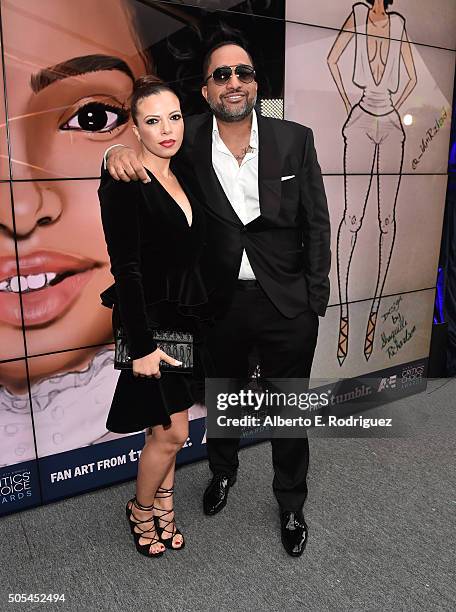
x: 107, y: 151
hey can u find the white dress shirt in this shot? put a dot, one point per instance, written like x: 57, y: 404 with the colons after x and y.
x: 239, y: 182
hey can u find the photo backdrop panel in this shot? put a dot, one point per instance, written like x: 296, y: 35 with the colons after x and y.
x: 63, y: 263
x: 11, y: 332
x: 16, y: 428
x: 412, y: 246
x: 70, y: 85
x: 4, y: 165
x: 71, y: 395
x: 194, y: 29
x: 414, y: 137
x: 116, y: 460
x: 431, y: 23
x: 402, y: 334
x: 265, y: 8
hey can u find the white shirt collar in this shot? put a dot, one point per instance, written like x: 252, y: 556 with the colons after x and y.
x: 253, y: 134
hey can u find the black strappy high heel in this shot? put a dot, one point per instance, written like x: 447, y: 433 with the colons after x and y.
x: 174, y: 531
x: 144, y: 549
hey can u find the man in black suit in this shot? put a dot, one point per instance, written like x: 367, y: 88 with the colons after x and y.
x: 268, y: 258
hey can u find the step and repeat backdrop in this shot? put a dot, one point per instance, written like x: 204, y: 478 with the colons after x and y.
x: 378, y: 96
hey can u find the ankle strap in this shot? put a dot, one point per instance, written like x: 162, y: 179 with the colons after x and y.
x: 162, y: 492
x: 140, y: 506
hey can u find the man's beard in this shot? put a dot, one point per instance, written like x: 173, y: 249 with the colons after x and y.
x: 230, y: 116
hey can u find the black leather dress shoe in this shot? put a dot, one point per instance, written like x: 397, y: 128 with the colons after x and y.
x: 216, y: 494
x: 294, y: 532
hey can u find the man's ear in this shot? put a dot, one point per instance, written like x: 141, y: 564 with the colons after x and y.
x: 204, y: 92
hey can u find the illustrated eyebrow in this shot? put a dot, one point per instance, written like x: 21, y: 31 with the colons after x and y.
x: 75, y: 67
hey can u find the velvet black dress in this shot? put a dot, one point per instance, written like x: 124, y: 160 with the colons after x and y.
x: 154, y: 256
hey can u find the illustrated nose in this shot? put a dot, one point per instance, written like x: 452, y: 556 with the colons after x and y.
x: 35, y: 204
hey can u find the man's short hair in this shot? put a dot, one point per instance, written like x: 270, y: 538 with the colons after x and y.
x: 223, y: 43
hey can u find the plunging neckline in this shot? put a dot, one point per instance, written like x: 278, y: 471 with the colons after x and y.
x: 367, y: 48
x: 189, y: 225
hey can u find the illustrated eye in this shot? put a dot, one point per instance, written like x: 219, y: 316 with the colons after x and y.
x: 96, y: 117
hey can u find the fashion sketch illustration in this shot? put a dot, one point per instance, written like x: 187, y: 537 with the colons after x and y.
x: 374, y: 140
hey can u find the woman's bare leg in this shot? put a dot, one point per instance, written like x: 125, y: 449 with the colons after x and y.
x: 157, y: 459
x: 164, y: 498
x: 164, y: 508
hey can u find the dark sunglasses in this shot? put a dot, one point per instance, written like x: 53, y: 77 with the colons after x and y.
x: 222, y: 74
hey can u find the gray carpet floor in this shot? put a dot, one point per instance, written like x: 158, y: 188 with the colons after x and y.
x: 381, y: 515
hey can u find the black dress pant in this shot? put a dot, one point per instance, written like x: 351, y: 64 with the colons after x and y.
x: 285, y: 349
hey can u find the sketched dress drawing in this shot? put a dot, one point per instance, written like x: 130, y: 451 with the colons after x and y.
x: 373, y: 144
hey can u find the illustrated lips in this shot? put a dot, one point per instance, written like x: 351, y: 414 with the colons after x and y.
x: 50, y: 283
x: 39, y: 270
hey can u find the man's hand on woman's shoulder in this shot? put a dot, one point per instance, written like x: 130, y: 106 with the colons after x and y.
x: 123, y: 165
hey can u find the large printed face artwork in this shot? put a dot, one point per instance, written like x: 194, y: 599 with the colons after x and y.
x: 68, y: 91
x: 69, y: 73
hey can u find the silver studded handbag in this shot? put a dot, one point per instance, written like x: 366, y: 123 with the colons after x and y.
x: 175, y: 343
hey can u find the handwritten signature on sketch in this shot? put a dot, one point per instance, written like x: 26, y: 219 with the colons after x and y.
x: 431, y: 133
x: 401, y: 333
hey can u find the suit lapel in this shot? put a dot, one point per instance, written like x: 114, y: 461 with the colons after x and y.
x: 269, y: 168
x: 201, y: 157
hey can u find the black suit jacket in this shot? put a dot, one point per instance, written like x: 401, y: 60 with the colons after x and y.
x: 288, y: 245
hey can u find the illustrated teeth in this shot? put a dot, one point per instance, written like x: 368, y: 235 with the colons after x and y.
x: 30, y: 282
x: 15, y: 281
x: 36, y: 281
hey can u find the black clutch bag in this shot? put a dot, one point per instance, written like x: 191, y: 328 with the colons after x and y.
x: 175, y: 343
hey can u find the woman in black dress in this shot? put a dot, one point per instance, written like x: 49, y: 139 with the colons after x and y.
x: 154, y: 234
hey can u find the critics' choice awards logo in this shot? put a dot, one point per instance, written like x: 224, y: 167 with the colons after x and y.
x: 15, y: 486
x: 412, y: 375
